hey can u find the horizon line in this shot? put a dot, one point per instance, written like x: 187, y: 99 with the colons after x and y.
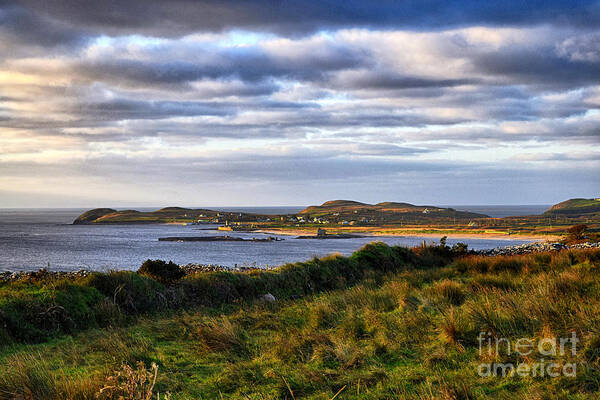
x: 253, y: 206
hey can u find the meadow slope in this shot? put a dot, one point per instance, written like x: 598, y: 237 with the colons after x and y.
x: 407, y: 326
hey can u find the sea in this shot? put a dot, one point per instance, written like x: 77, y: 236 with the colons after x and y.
x: 31, y: 239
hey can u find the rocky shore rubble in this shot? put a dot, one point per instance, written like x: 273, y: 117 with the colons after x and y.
x: 44, y: 274
x: 9, y: 276
x: 535, y: 247
x: 193, y: 268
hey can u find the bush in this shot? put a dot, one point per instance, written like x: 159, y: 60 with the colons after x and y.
x: 130, y: 292
x: 576, y: 234
x: 130, y: 383
x: 37, y: 314
x: 162, y: 271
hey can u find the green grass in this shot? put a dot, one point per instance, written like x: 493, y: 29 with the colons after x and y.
x: 578, y: 203
x: 576, y: 206
x: 397, y: 333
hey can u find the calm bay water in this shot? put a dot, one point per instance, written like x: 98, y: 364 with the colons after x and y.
x: 36, y: 238
x: 499, y: 211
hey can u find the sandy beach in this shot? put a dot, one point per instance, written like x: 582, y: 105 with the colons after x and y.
x: 415, y: 233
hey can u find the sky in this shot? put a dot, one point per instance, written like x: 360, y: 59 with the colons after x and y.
x: 255, y: 102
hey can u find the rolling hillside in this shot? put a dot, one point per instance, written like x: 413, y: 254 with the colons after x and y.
x: 386, y: 211
x: 575, y: 207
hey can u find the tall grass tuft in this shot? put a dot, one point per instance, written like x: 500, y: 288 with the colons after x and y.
x: 31, y: 377
x: 220, y: 335
x: 450, y: 291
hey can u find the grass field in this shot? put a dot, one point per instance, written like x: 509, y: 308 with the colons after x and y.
x: 400, y: 330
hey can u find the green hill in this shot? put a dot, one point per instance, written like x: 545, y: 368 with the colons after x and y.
x: 385, y: 212
x: 92, y: 215
x: 164, y: 215
x: 575, y: 207
x: 336, y: 206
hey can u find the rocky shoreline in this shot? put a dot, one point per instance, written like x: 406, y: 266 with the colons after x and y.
x: 535, y: 247
x: 225, y: 238
x: 192, y: 268
x: 44, y: 274
x: 332, y: 236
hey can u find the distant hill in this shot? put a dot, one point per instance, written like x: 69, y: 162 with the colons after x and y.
x: 350, y: 205
x: 575, y: 207
x: 92, y: 215
x: 387, y: 209
x: 167, y: 214
x: 335, y: 205
x: 164, y: 215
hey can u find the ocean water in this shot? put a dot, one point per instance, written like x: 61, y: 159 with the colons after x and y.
x: 34, y: 238
x: 499, y: 211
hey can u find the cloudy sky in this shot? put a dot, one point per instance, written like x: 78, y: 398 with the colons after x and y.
x: 238, y: 102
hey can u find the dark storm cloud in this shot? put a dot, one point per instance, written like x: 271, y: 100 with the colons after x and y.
x: 390, y: 81
x: 108, y: 113
x: 179, y: 17
x: 581, y: 48
x: 248, y: 64
x: 531, y: 109
x: 33, y: 28
x: 243, y: 89
x: 127, y: 109
x: 137, y: 109
x: 538, y: 65
x: 96, y: 114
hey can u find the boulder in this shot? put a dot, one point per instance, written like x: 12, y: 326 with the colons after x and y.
x: 268, y: 298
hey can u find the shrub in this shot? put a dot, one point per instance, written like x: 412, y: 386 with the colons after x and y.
x: 130, y: 383
x: 34, y: 314
x: 132, y: 293
x: 576, y: 233
x: 460, y: 248
x: 162, y: 271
